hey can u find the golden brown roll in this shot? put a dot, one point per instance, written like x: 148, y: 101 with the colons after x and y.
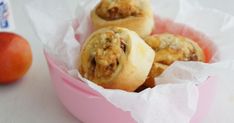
x: 116, y: 58
x: 136, y: 15
x: 168, y: 49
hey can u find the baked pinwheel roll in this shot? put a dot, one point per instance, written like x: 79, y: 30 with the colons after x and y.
x: 168, y: 49
x: 136, y: 15
x: 116, y: 58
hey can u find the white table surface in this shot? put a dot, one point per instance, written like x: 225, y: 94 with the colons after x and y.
x: 33, y: 99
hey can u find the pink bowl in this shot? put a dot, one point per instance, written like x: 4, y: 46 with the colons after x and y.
x: 90, y: 107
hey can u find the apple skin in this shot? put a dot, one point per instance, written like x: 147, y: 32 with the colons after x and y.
x: 15, y: 57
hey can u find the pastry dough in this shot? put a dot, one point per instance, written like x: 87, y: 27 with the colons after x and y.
x: 116, y: 58
x: 136, y: 15
x: 170, y: 48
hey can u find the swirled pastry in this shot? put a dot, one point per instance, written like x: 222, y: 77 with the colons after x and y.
x: 136, y: 15
x: 116, y: 58
x: 168, y: 49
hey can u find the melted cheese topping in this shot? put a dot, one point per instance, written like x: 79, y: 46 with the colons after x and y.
x: 117, y: 9
x: 170, y: 48
x: 105, y: 51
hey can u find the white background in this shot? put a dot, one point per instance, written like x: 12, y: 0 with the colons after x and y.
x: 33, y: 99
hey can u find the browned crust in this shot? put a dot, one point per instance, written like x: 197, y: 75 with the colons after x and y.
x: 133, y: 68
x: 142, y: 22
x: 168, y: 49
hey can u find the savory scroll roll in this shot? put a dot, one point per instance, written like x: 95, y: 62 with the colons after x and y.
x: 116, y: 58
x: 168, y: 49
x: 136, y: 15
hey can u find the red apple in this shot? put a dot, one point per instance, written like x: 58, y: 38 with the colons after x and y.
x: 15, y: 57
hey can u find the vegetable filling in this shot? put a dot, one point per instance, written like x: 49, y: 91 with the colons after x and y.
x: 105, y: 53
x: 117, y: 9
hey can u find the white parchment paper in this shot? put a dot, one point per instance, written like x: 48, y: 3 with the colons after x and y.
x: 174, y: 99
